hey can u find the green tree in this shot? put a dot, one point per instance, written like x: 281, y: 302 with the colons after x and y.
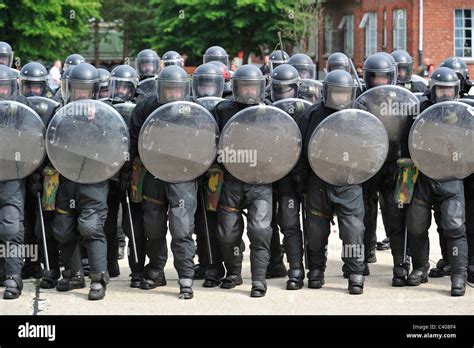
x: 45, y: 29
x: 247, y: 25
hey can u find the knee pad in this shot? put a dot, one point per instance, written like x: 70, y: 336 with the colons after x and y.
x: 10, y: 224
x: 260, y: 215
x: 91, y: 228
x: 181, y: 222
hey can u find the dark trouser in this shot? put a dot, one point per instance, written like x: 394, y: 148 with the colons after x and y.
x: 235, y: 196
x: 276, y: 253
x: 470, y: 232
x: 288, y: 218
x: 200, y: 230
x: 394, y: 217
x: 178, y: 202
x: 12, y: 204
x: 83, y: 208
x: 346, y: 202
x: 448, y: 199
x: 139, y: 234
x: 29, y: 223
x: 51, y: 242
x: 114, y: 199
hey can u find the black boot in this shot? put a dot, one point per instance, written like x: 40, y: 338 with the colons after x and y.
x: 315, y: 279
x: 50, y: 279
x: 470, y: 274
x: 185, y: 289
x: 135, y: 280
x: 152, y: 279
x: 32, y: 270
x: 86, y: 268
x: 443, y: 268
x: 71, y: 280
x: 400, y: 273
x: 98, y: 285
x: 259, y: 289
x: 276, y: 268
x: 372, y: 256
x: 418, y: 276
x: 199, y: 271
x: 356, y: 284
x: 458, y: 284
x: 295, y: 279
x: 383, y: 245
x: 231, y: 281
x: 13, y: 287
x: 113, y: 269
x: 213, y: 276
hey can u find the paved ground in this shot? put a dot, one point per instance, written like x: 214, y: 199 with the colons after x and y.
x: 378, y: 298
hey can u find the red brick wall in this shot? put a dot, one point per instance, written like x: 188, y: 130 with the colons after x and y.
x: 438, y: 31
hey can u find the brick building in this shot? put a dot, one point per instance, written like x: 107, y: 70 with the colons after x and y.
x: 362, y: 27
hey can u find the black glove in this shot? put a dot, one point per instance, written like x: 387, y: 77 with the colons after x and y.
x: 300, y: 184
x: 125, y: 181
x: 36, y: 184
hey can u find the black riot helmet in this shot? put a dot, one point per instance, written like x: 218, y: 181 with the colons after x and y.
x: 248, y: 85
x: 123, y: 83
x: 7, y: 83
x: 404, y: 65
x: 172, y: 84
x: 208, y: 81
x: 33, y: 80
x: 460, y: 67
x: 172, y: 58
x: 6, y: 54
x: 276, y: 58
x: 73, y: 60
x: 216, y: 53
x: 304, y: 64
x: 285, y: 80
x: 310, y: 90
x: 444, y: 85
x: 227, y: 78
x: 147, y: 63
x: 339, y: 90
x: 104, y: 76
x: 380, y: 69
x: 338, y: 61
x: 83, y: 83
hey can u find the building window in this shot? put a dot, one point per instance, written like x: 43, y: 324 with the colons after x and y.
x: 369, y: 23
x: 328, y: 35
x: 347, y: 25
x: 463, y: 33
x: 400, y: 29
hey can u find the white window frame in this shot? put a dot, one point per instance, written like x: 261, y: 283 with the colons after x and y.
x: 399, y: 29
x: 464, y: 29
x: 328, y: 35
x: 347, y: 25
x: 369, y: 23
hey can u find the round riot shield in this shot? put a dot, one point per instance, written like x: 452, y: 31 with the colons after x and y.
x: 260, y: 144
x: 392, y: 105
x: 348, y: 147
x: 22, y: 148
x: 441, y: 141
x: 87, y: 141
x: 467, y: 101
x: 209, y: 102
x: 44, y: 107
x: 178, y: 141
x: 125, y: 109
x: 294, y: 107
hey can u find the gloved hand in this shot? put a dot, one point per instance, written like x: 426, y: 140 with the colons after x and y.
x: 300, y: 184
x: 125, y: 181
x: 36, y: 184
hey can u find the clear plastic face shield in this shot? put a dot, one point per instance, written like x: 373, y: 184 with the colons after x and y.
x: 338, y: 97
x: 440, y: 93
x: 306, y: 71
x: 249, y: 91
x: 376, y: 78
x: 208, y: 86
x: 281, y: 90
x: 6, y: 59
x: 340, y: 65
x: 121, y: 90
x: 7, y: 88
x: 404, y: 71
x: 33, y: 88
x: 148, y: 67
x: 103, y: 92
x: 78, y: 90
x: 310, y: 90
x: 167, y: 62
x: 170, y: 91
x: 209, y: 58
x: 274, y: 63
